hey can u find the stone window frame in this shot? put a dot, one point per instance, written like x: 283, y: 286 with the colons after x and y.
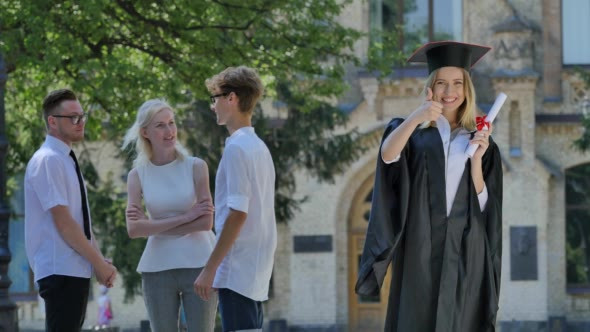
x: 379, y: 22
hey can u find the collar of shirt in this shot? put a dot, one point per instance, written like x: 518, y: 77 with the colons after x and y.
x: 444, y: 128
x: 239, y: 132
x: 57, y: 145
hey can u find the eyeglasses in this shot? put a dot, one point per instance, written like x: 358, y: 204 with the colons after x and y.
x: 74, y: 118
x: 213, y: 98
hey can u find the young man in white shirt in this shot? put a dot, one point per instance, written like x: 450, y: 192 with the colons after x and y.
x: 60, y: 245
x: 241, y: 263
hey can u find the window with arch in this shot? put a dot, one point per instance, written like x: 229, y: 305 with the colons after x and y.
x: 577, y: 214
x: 415, y: 22
x: 515, y: 130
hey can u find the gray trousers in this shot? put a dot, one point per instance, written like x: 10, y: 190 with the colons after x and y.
x: 162, y: 293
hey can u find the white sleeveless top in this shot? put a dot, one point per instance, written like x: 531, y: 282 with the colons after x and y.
x: 169, y: 190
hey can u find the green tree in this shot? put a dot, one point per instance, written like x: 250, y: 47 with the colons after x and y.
x: 116, y: 54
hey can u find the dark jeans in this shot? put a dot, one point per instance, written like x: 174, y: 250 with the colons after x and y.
x: 65, y: 302
x: 239, y: 312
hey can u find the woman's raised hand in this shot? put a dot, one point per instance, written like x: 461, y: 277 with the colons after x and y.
x: 429, y: 110
x: 482, y: 138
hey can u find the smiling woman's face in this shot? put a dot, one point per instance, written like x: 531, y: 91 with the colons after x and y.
x: 449, y: 88
x: 161, y: 131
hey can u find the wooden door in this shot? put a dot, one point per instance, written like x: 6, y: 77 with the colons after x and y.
x: 366, y: 313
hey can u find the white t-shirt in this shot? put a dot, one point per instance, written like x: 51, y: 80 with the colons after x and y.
x: 245, y: 182
x: 51, y: 180
x: 169, y: 190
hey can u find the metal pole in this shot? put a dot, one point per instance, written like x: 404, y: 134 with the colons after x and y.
x: 8, y: 313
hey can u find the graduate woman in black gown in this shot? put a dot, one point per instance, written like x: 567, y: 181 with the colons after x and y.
x: 436, y: 212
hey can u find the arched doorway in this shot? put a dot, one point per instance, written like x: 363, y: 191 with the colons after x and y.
x: 366, y: 313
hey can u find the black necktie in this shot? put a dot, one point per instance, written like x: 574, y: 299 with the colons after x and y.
x: 83, y: 194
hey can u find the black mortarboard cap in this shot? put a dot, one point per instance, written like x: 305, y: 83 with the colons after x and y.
x: 449, y: 53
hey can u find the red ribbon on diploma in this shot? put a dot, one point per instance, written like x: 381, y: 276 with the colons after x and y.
x: 480, y: 121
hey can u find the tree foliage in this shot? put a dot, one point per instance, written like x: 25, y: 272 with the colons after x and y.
x: 117, y: 54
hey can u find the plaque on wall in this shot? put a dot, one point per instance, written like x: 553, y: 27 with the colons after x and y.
x: 523, y: 253
x: 312, y: 243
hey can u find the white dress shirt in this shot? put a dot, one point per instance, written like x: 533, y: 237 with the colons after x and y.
x: 454, y: 145
x: 51, y: 180
x: 245, y: 182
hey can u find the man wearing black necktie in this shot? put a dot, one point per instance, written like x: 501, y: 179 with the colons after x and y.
x: 61, y: 246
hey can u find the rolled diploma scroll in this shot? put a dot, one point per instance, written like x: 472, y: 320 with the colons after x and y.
x: 489, y: 118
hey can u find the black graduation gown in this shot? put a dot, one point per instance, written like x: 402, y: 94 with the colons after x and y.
x: 446, y: 270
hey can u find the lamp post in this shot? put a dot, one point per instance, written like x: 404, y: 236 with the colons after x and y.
x: 8, y: 317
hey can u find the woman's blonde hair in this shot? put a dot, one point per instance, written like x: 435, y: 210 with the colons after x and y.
x: 467, y: 111
x: 143, y: 147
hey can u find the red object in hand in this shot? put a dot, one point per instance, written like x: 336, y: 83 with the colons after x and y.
x: 480, y: 121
